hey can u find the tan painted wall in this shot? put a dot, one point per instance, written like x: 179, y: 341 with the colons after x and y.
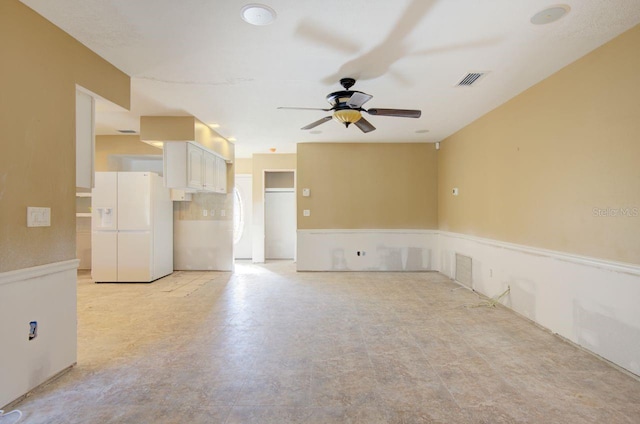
x: 243, y: 165
x: 539, y: 169
x: 107, y: 145
x: 40, y: 67
x: 266, y: 161
x: 367, y: 185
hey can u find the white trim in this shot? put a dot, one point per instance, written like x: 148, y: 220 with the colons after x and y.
x: 280, y: 190
x: 9, y: 277
x: 365, y: 231
x: 604, y: 264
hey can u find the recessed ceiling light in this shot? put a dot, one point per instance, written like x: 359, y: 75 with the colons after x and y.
x: 422, y: 131
x: 258, y: 14
x: 550, y: 14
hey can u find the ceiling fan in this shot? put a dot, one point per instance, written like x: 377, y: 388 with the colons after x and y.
x: 347, y: 108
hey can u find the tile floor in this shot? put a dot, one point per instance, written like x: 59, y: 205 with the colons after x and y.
x: 269, y: 345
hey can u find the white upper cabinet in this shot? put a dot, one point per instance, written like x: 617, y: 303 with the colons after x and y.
x: 187, y: 166
x: 195, y: 165
x: 210, y: 176
x: 221, y: 171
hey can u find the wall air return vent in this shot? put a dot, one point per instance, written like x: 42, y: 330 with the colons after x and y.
x: 470, y: 79
x: 464, y: 270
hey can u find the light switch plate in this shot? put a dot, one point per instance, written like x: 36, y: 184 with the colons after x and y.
x: 38, y: 217
x: 306, y: 192
x: 223, y: 212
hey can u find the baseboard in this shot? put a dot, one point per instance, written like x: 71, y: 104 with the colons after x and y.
x: 45, y: 294
x: 14, y: 402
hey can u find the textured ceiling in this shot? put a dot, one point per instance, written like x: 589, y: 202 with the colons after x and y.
x: 198, y: 57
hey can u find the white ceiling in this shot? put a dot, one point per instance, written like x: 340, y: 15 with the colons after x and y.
x: 198, y: 57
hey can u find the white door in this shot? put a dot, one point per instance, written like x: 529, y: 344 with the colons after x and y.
x: 243, y: 222
x: 280, y: 224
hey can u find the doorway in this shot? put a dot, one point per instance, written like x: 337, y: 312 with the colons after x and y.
x: 242, y: 218
x: 280, y: 215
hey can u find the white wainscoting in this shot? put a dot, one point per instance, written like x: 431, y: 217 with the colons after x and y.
x: 203, y: 245
x: 594, y: 303
x: 46, y: 294
x: 380, y: 250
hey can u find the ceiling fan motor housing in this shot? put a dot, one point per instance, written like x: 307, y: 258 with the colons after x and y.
x: 340, y: 98
x: 347, y: 83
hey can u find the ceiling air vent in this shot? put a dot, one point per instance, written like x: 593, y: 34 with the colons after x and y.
x: 127, y: 131
x: 470, y: 79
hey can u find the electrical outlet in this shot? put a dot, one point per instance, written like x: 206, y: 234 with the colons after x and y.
x: 205, y: 212
x: 306, y: 212
x: 33, y: 330
x: 223, y: 212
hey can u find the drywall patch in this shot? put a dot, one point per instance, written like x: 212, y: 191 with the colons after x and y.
x: 598, y: 330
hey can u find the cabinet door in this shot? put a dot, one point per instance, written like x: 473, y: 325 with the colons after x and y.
x: 222, y: 175
x: 194, y: 167
x: 210, y: 176
x: 85, y: 136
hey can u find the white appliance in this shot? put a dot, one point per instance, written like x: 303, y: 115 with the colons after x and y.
x: 132, y: 228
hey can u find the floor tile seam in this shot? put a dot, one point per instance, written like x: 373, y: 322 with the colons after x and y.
x: 426, y: 357
x: 580, y: 384
x: 611, y: 368
x: 497, y: 370
x: 444, y: 384
x: 368, y: 353
x: 236, y: 399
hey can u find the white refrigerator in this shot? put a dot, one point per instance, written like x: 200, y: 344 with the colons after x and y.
x: 131, y: 228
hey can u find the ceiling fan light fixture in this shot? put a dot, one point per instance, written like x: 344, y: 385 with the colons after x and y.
x: 347, y: 116
x: 258, y: 14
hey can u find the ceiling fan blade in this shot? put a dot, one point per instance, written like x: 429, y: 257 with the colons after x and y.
x: 404, y: 113
x: 303, y: 108
x: 322, y: 35
x: 364, y: 125
x: 357, y: 99
x: 318, y: 122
